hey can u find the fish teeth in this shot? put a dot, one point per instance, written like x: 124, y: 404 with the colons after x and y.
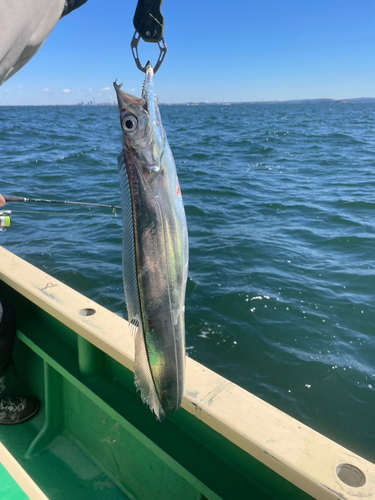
x: 125, y: 94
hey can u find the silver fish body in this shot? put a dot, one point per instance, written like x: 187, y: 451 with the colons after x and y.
x: 155, y: 251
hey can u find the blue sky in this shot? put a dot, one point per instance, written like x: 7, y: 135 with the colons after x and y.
x: 217, y: 50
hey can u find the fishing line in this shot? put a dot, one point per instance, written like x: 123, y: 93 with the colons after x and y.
x: 21, y: 199
x: 5, y: 219
x: 13, y: 184
x: 65, y: 214
x: 20, y: 185
x: 10, y: 198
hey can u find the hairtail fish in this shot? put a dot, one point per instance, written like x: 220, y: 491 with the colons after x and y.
x: 155, y: 250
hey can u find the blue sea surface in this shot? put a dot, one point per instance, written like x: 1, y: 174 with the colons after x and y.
x: 280, y: 202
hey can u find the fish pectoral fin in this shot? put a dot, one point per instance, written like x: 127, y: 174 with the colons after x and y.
x: 151, y: 176
x: 176, y: 314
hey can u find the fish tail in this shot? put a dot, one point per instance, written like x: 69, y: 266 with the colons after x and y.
x: 143, y: 378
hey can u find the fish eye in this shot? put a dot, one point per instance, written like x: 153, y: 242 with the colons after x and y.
x: 129, y: 123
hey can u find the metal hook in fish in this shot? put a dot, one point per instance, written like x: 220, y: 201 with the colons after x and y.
x: 134, y: 46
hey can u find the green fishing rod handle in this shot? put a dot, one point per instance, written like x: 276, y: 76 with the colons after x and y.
x: 148, y: 20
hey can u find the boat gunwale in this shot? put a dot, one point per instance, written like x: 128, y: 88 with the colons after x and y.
x: 24, y: 481
x: 296, y: 452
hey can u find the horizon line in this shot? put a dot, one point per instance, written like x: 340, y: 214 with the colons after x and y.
x: 274, y: 101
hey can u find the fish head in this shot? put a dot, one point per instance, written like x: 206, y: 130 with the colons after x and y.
x: 143, y: 133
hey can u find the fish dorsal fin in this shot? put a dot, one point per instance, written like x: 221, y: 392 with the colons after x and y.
x: 142, y: 373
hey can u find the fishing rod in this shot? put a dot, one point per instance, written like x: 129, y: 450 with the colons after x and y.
x: 11, y: 198
x: 5, y: 219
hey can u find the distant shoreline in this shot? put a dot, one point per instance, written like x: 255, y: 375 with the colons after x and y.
x: 292, y: 101
x: 355, y: 100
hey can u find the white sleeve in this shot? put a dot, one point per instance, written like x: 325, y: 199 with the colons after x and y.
x: 24, y: 25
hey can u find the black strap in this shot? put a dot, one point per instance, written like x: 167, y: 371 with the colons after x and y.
x: 71, y: 5
x: 7, y: 315
x: 7, y: 335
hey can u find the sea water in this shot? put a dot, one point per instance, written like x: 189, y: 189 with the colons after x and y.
x: 280, y: 203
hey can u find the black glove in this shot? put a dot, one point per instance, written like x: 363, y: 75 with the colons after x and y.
x: 72, y: 5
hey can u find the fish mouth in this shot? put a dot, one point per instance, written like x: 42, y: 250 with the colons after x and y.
x: 148, y: 81
x: 124, y: 98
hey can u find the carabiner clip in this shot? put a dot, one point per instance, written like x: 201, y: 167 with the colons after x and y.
x: 149, y: 25
x: 134, y: 46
